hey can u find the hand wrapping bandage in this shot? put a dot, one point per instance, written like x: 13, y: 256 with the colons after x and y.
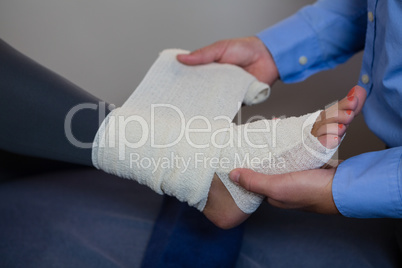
x: 175, y: 131
x: 270, y: 147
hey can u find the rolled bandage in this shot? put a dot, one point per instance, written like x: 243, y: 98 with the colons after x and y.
x: 169, y: 133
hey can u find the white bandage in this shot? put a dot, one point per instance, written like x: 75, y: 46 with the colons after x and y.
x: 153, y: 139
x: 190, y: 109
x: 271, y: 147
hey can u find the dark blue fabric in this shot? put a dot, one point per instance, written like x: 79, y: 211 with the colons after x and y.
x: 184, y: 237
x: 59, y: 216
x: 34, y: 103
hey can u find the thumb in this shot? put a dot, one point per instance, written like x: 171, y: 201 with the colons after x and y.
x: 203, y: 55
x: 251, y: 180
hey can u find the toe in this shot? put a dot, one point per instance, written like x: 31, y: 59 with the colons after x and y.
x: 331, y: 116
x: 333, y: 121
x: 361, y: 95
x: 333, y: 129
x: 350, y: 102
x: 351, y: 105
x: 330, y: 141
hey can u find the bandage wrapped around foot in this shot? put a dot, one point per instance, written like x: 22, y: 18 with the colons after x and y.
x: 270, y: 147
x: 175, y: 129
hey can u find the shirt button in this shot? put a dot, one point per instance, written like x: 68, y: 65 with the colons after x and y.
x: 303, y: 60
x: 365, y: 79
x: 370, y: 16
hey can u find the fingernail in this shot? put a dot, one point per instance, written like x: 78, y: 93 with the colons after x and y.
x: 350, y: 98
x: 340, y: 126
x: 234, y: 176
x: 352, y: 91
x: 349, y: 112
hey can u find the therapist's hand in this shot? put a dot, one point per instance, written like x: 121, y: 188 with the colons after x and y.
x: 249, y: 53
x: 309, y: 190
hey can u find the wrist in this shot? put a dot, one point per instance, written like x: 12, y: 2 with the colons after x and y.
x: 274, y: 73
x: 264, y: 54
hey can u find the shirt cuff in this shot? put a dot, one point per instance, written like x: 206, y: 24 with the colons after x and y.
x: 369, y: 185
x: 295, y: 48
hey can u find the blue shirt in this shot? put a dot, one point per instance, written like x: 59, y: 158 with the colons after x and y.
x: 327, y: 33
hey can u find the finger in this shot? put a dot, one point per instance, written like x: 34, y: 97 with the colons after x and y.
x: 250, y: 180
x: 203, y: 55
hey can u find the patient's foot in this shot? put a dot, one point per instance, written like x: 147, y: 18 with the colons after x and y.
x: 329, y: 128
x: 332, y: 123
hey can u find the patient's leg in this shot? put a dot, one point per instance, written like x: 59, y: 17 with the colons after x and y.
x: 329, y: 128
x: 34, y: 104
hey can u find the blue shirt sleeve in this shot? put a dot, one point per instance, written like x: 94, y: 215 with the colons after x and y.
x: 316, y: 38
x: 369, y: 185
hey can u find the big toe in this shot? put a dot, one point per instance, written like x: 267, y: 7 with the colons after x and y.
x: 361, y: 95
